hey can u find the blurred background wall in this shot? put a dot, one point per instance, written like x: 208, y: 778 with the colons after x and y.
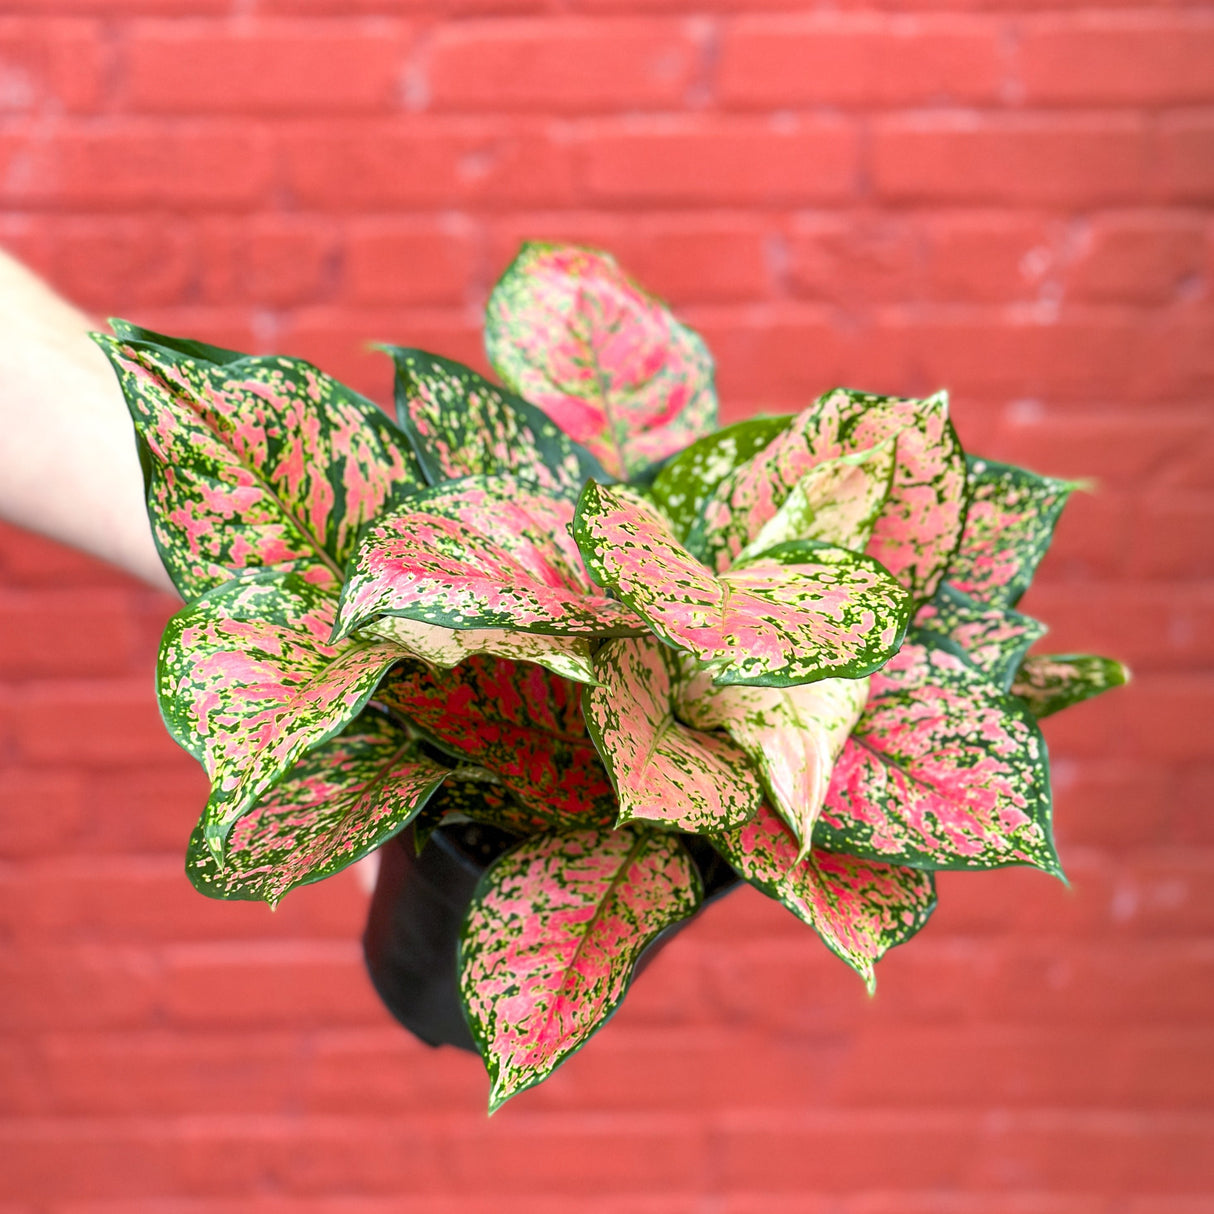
x: 1007, y: 198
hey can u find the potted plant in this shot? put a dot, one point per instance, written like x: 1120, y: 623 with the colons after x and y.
x: 603, y: 656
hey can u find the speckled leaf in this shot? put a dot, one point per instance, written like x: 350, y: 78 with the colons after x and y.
x: 253, y: 461
x: 461, y: 800
x: 684, y: 484
x: 248, y: 684
x: 662, y: 771
x: 483, y: 552
x: 570, y: 657
x: 1050, y: 682
x: 551, y: 939
x: 837, y: 502
x: 860, y: 908
x: 462, y: 425
x: 792, y: 735
x: 518, y: 721
x: 1008, y: 527
x: 800, y: 612
x: 993, y: 639
x: 342, y: 801
x: 942, y: 771
x: 917, y: 533
x: 569, y: 331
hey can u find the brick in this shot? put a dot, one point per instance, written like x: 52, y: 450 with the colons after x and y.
x: 263, y: 67
x: 141, y: 807
x: 1186, y: 158
x: 132, y: 163
x: 858, y: 59
x: 991, y: 257
x: 1059, y: 160
x: 430, y: 162
x: 562, y: 65
x: 1141, y: 259
x: 42, y: 810
x: 1102, y: 58
x: 271, y: 260
x: 720, y: 161
x: 70, y: 633
x: 76, y: 986
x: 1113, y: 802
x: 830, y: 258
x: 1172, y: 536
x: 33, y: 560
x: 51, y: 63
x: 406, y: 261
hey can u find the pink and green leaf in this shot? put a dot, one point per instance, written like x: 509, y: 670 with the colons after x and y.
x: 552, y: 937
x: 860, y: 908
x: 792, y: 736
x: 248, y: 684
x: 1008, y: 528
x: 344, y: 799
x: 836, y: 502
x: 662, y: 771
x: 253, y: 461
x: 1050, y: 682
x: 942, y: 771
x: 801, y: 611
x: 475, y: 800
x: 483, y: 552
x: 462, y: 425
x: 686, y: 482
x: 993, y: 639
x: 519, y: 722
x: 916, y: 533
x: 567, y: 330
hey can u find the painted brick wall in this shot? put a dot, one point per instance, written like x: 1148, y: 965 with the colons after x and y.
x: 1008, y: 197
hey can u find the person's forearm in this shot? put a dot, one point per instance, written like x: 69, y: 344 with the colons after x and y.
x: 68, y: 463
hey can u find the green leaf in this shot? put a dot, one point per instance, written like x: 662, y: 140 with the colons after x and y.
x: 481, y: 800
x: 1009, y: 526
x: 570, y: 332
x: 462, y: 425
x: 1050, y: 682
x: 916, y: 533
x: 343, y: 800
x: 792, y: 735
x: 662, y: 771
x: 686, y: 482
x: 993, y: 639
x: 799, y: 612
x: 860, y: 908
x: 248, y: 684
x: 518, y: 721
x: 942, y: 771
x: 553, y: 934
x: 482, y: 552
x: 253, y: 461
x: 836, y: 502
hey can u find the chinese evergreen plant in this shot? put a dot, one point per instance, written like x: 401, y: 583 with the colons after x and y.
x: 573, y: 609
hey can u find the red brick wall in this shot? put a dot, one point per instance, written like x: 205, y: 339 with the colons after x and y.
x: 1007, y: 197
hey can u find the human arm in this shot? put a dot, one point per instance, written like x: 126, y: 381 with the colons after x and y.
x: 68, y: 462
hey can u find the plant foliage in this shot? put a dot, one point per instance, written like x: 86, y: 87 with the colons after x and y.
x: 573, y: 609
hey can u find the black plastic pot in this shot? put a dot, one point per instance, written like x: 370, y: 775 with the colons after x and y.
x: 412, y: 937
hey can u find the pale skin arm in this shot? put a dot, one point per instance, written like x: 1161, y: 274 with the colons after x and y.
x: 68, y: 463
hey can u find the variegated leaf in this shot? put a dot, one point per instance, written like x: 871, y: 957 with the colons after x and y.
x: 518, y: 721
x: 483, y: 552
x: 792, y: 735
x: 799, y: 612
x: 343, y: 800
x: 570, y: 657
x: 993, y: 639
x: 569, y: 331
x: 662, y: 771
x: 917, y: 533
x: 860, y: 908
x: 248, y: 684
x: 253, y: 461
x: 1009, y: 526
x: 684, y: 484
x: 1050, y: 682
x: 553, y: 934
x: 462, y: 425
x: 836, y: 502
x: 942, y: 771
x: 476, y: 800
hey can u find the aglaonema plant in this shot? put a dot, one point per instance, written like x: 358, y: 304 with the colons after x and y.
x: 570, y: 607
